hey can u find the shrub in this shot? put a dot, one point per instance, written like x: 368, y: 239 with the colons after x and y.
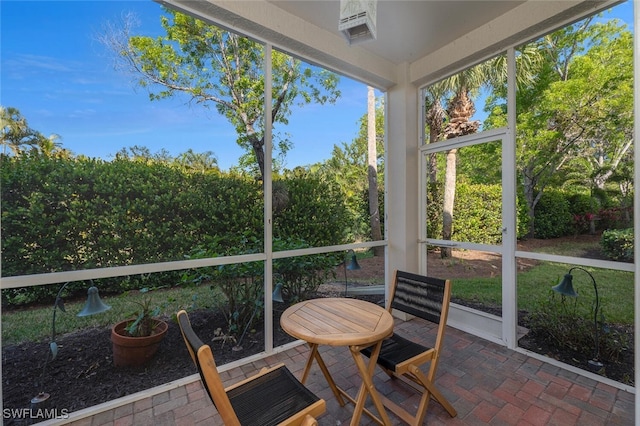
x: 302, y: 275
x: 553, y: 217
x: 617, y: 244
x: 583, y: 208
x: 243, y: 283
x: 315, y: 211
x: 478, y: 214
x: 579, y: 204
x: 61, y: 214
x: 567, y: 324
x: 615, y: 217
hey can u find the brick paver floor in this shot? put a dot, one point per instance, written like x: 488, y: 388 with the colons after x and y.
x: 485, y: 382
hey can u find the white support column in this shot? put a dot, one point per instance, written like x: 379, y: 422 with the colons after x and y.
x: 268, y: 223
x: 509, y: 226
x: 402, y: 168
x: 636, y: 201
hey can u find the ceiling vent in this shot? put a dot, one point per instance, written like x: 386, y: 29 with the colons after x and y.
x: 358, y: 20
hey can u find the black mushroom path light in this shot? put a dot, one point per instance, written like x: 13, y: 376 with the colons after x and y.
x: 565, y: 287
x: 351, y: 266
x: 94, y: 305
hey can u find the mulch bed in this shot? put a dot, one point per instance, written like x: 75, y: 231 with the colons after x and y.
x: 83, y: 373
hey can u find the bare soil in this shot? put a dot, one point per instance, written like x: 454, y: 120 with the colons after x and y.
x: 83, y: 373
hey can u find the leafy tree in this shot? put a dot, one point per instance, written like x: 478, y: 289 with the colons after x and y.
x: 247, y: 161
x: 197, y: 162
x: 217, y: 67
x: 574, y: 120
x: 143, y: 154
x: 348, y: 166
x: 594, y: 106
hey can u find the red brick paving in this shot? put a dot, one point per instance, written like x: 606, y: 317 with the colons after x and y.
x: 485, y: 382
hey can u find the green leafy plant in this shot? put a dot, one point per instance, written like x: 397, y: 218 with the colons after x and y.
x: 617, y: 244
x: 553, y: 217
x: 301, y: 275
x: 562, y: 323
x: 144, y: 319
x: 241, y: 283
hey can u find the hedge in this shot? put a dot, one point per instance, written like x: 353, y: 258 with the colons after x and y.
x: 68, y: 214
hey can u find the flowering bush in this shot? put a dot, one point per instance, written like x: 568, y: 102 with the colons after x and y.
x: 583, y: 223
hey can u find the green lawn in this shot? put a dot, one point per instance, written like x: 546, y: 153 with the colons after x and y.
x: 33, y: 324
x: 615, y: 289
x: 534, y: 289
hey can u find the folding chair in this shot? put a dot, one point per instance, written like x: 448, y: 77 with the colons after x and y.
x: 272, y: 397
x: 427, y: 298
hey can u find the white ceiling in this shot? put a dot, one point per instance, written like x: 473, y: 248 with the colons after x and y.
x: 420, y: 40
x: 406, y: 30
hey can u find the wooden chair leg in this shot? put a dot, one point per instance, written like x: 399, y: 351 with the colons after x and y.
x: 309, y: 421
x: 432, y: 390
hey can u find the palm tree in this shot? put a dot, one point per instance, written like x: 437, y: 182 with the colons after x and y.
x: 464, y: 86
x: 436, y: 118
x: 198, y: 162
x: 50, y: 146
x: 460, y: 110
x: 14, y: 131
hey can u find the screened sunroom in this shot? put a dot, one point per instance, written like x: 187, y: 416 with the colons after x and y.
x: 500, y: 123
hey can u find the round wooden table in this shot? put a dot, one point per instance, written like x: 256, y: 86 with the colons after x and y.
x: 342, y: 322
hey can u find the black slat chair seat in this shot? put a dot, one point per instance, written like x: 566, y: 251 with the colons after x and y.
x: 396, y: 349
x: 270, y: 399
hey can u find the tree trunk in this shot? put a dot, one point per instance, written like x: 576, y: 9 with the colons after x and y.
x: 449, y: 198
x: 258, y: 149
x: 529, y: 186
x: 372, y: 172
x: 460, y: 111
x: 436, y: 116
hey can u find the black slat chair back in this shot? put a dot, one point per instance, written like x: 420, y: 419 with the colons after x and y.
x: 419, y: 295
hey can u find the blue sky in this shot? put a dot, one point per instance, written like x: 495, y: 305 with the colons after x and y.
x: 63, y: 81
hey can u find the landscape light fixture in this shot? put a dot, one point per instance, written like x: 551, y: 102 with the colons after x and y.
x: 358, y: 20
x: 565, y: 287
x: 94, y: 305
x: 351, y: 266
x: 276, y: 296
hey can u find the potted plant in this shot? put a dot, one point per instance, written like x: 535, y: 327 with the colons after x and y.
x: 136, y: 340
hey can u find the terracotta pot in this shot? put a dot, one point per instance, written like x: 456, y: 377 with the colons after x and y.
x: 134, y: 351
